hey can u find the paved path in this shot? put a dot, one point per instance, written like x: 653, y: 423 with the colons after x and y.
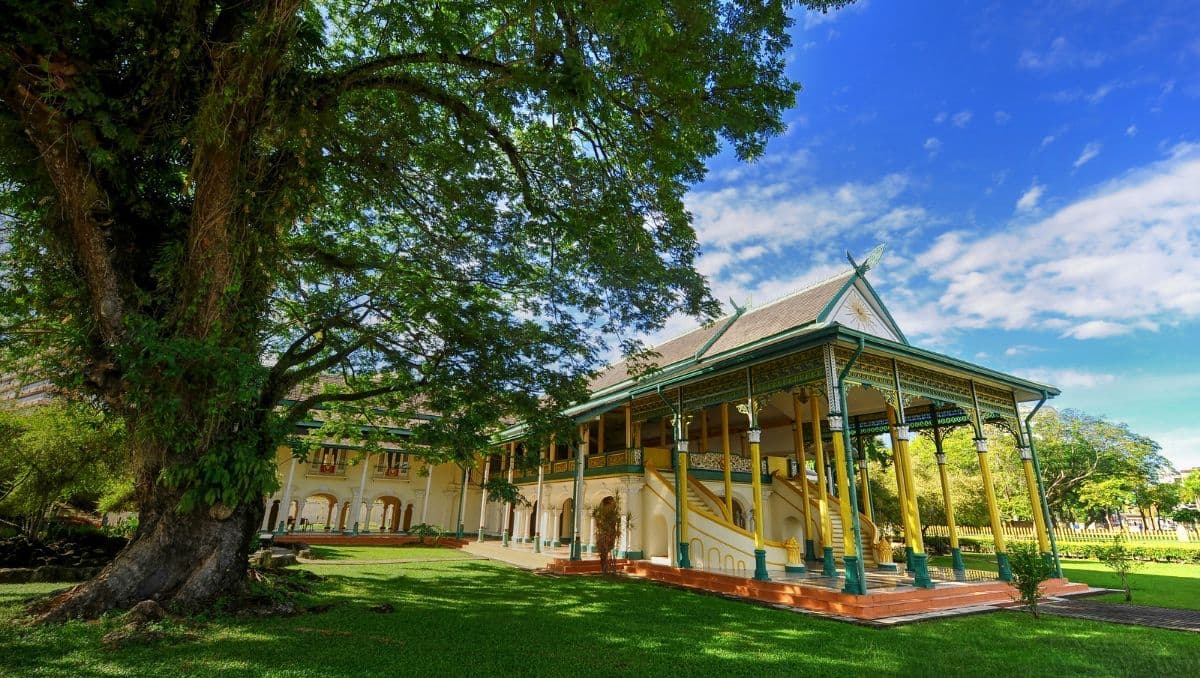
x: 388, y: 561
x: 1139, y: 615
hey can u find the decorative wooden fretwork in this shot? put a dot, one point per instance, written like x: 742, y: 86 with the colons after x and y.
x: 996, y: 401
x: 788, y: 371
x: 872, y: 370
x: 927, y: 383
x: 722, y: 388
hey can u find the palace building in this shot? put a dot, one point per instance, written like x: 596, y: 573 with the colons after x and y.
x: 738, y: 454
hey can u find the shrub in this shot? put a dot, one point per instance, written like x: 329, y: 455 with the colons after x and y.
x: 899, y: 555
x: 1029, y: 572
x: 1119, y: 558
x: 937, y: 545
x: 423, y: 530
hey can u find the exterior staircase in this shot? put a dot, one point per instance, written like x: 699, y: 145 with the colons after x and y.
x: 794, y: 495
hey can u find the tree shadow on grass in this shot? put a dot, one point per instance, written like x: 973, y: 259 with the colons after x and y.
x: 484, y: 618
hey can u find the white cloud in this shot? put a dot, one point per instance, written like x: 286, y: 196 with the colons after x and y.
x: 1122, y: 259
x: 940, y: 117
x: 933, y: 146
x: 780, y: 213
x: 1131, y: 131
x: 1002, y: 117
x: 815, y: 18
x: 1090, y: 151
x: 1021, y: 349
x: 1047, y: 140
x: 1061, y: 55
x: 1180, y: 445
x: 961, y: 118
x: 1066, y: 378
x: 1097, y: 329
x: 1029, y: 199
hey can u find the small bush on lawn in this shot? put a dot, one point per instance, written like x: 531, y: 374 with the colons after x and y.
x: 423, y: 530
x: 1029, y: 571
x: 1119, y: 558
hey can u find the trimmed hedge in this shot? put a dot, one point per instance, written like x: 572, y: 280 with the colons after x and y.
x: 1186, y: 552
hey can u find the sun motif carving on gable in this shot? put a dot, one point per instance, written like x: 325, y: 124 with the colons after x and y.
x: 860, y: 315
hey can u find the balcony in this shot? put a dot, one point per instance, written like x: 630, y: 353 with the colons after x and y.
x: 336, y: 469
x: 594, y: 464
x: 385, y: 472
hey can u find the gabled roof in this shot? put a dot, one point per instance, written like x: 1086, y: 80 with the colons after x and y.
x: 846, y: 298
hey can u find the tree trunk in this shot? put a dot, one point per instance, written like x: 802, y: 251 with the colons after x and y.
x: 182, y: 561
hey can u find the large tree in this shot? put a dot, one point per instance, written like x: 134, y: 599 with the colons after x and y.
x: 210, y: 207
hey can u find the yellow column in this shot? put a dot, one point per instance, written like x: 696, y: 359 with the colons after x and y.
x: 828, y: 567
x: 901, y: 480
x: 865, y: 483
x: 760, y: 553
x: 802, y: 460
x: 681, y: 473
x: 1039, y: 520
x: 959, y: 565
x: 914, y: 515
x: 728, y: 465
x: 843, y: 485
x: 989, y: 492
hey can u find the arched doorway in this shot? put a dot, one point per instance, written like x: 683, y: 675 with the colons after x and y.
x: 567, y: 522
x: 408, y: 517
x: 344, y: 517
x: 531, y: 524
x: 385, y: 514
x: 739, y: 514
x: 273, y: 520
x: 316, y: 511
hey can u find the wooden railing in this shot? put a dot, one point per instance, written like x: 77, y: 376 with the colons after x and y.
x: 335, y: 469
x: 1066, y: 534
x: 393, y: 472
x: 630, y: 457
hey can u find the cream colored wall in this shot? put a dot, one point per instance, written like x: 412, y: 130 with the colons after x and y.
x: 443, y: 496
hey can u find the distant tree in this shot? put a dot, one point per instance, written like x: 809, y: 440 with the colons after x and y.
x: 57, y: 453
x: 1101, y: 497
x: 1191, y: 486
x: 1078, y: 450
x: 1186, y: 515
x: 1165, y: 498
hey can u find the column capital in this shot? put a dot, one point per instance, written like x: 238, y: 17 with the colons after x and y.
x: 941, y: 458
x: 754, y: 435
x: 682, y: 445
x: 903, y: 433
x: 981, y: 445
x: 1026, y: 453
x: 835, y: 421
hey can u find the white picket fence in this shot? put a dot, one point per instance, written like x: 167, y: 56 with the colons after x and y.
x: 1067, y: 534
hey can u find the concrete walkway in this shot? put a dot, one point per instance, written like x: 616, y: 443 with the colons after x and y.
x: 523, y: 558
x: 1118, y: 613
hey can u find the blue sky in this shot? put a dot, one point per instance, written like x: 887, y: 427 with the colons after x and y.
x: 1034, y: 169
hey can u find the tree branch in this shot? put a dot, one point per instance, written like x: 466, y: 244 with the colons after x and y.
x: 424, y: 90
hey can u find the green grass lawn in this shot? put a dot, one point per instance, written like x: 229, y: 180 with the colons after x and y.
x: 485, y: 618
x: 333, y: 553
x: 1160, y: 584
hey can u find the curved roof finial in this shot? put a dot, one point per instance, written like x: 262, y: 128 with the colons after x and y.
x: 872, y: 259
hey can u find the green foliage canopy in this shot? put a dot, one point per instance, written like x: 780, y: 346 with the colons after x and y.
x: 60, y: 452
x: 457, y: 207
